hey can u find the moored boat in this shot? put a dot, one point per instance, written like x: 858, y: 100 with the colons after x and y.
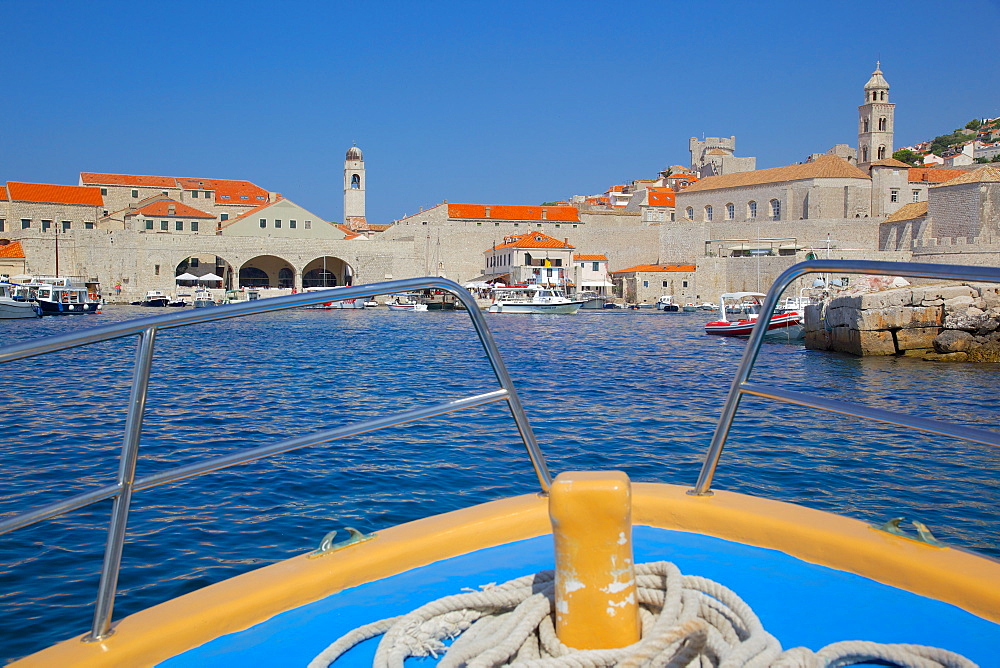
x: 666, y: 303
x: 592, y: 300
x: 203, y: 298
x: 57, y: 295
x: 11, y: 308
x: 153, y: 299
x: 787, y: 325
x: 405, y: 302
x: 336, y: 304
x: 781, y: 575
x: 532, y: 299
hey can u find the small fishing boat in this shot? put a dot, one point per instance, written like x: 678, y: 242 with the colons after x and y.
x: 788, y: 324
x: 592, y: 300
x: 532, y: 299
x: 405, y: 302
x: 242, y: 295
x: 592, y: 568
x: 11, y: 308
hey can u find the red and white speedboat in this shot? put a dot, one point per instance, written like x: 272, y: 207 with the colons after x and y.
x: 787, y: 325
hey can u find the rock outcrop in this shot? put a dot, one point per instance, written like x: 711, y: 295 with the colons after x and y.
x: 954, y: 322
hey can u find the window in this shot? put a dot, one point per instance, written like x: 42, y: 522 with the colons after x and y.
x: 665, y: 284
x: 291, y: 224
x: 597, y: 266
x: 645, y: 284
x: 496, y: 224
x: 355, y: 182
x: 88, y: 225
x: 1, y: 224
x: 751, y: 209
x: 916, y: 195
x: 46, y: 224
x: 517, y: 224
x: 277, y: 223
x: 207, y: 194
x: 104, y: 191
x: 882, y: 124
x: 309, y: 224
x: 864, y: 125
x: 673, y: 217
x: 708, y: 213
x: 194, y: 262
x: 244, y: 197
x: 730, y: 211
x: 479, y: 224
x: 424, y: 223
x: 194, y: 193
x: 545, y: 214
x: 864, y: 154
x: 194, y: 225
x: 135, y: 193
x: 164, y: 192
x: 684, y: 284
x: 156, y: 269
x: 224, y: 217
x: 25, y: 223
x: 894, y: 195
x: 164, y: 224
x: 225, y: 197
x: 775, y: 210
x: 179, y: 226
x: 149, y: 224
x: 881, y: 152
x: 66, y: 225
x: 263, y: 223
x: 260, y: 197
x: 689, y: 212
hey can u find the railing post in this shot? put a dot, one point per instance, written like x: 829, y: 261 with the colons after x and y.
x: 104, y: 608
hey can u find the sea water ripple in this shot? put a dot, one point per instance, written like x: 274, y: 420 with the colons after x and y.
x: 636, y: 391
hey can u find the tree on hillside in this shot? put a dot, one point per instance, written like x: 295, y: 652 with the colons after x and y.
x: 974, y: 124
x: 907, y: 156
x: 942, y: 142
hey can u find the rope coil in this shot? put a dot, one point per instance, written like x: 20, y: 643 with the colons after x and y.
x: 686, y: 621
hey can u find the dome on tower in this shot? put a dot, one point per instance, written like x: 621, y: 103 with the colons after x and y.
x: 877, y: 80
x: 354, y: 153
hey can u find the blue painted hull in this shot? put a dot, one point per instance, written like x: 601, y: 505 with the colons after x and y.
x: 58, y: 308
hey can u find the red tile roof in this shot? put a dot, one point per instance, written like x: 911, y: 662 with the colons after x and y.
x: 513, y: 212
x: 162, y: 208
x: 3, y: 193
x: 12, y: 250
x: 931, y: 175
x: 533, y: 240
x: 590, y: 258
x: 55, y: 194
x: 227, y: 191
x: 656, y: 267
x: 825, y: 166
x: 661, y: 197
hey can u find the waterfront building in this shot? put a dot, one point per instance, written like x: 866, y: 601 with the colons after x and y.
x: 47, y: 207
x: 530, y: 258
x: 645, y: 283
x: 224, y: 198
x: 590, y: 273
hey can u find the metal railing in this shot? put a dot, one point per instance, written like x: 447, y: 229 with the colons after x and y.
x: 146, y: 329
x: 742, y: 385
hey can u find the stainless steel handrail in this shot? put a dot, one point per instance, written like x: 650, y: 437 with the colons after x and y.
x: 741, y: 384
x: 147, y: 328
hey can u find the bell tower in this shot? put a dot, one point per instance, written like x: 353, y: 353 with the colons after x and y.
x: 875, y: 121
x: 354, y: 190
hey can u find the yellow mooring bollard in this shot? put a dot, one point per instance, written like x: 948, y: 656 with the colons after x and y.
x: 591, y: 513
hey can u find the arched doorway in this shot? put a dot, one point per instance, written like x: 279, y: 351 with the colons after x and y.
x: 327, y: 272
x: 267, y: 271
x: 210, y: 270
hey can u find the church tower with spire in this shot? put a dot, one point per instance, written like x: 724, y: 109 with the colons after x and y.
x: 354, y: 190
x: 875, y: 121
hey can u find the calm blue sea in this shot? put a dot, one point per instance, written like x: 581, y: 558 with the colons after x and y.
x: 633, y: 390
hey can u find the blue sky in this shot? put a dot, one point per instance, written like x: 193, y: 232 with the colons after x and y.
x: 504, y: 103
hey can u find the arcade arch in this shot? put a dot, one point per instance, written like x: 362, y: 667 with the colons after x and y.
x: 327, y: 272
x: 267, y: 271
x: 203, y: 264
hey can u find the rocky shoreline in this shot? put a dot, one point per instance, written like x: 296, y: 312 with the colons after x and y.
x: 954, y: 322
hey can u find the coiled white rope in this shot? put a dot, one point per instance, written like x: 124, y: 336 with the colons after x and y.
x: 686, y: 621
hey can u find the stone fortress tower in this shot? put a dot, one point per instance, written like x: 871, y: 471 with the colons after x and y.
x: 714, y: 156
x: 875, y: 121
x: 354, y: 189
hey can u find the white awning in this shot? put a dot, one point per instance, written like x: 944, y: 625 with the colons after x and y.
x: 596, y: 284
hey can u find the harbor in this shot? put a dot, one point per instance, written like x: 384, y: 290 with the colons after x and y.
x: 635, y: 390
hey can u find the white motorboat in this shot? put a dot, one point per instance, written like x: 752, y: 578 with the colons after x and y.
x: 532, y: 299
x: 335, y: 304
x: 153, y: 298
x: 203, y: 298
x: 11, y: 308
x: 240, y: 296
x: 666, y: 303
x: 405, y: 302
x: 57, y: 295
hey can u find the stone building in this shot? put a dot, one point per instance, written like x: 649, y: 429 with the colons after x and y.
x: 12, y: 259
x: 645, y: 283
x: 715, y: 156
x: 46, y: 207
x: 530, y: 258
x: 224, y: 198
x: 590, y: 273
x: 161, y: 215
